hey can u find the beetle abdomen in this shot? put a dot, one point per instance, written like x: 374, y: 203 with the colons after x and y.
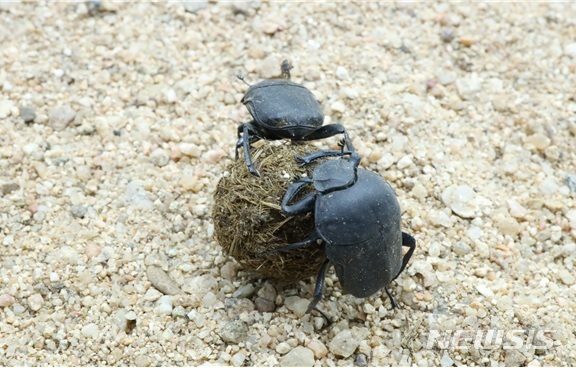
x: 365, y: 268
x: 361, y: 226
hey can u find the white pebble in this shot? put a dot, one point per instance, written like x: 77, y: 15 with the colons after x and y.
x: 238, y: 359
x: 7, y: 300
x: 338, y: 107
x: 190, y: 149
x: 137, y: 196
x: 298, y: 357
x: 404, y: 162
x: 461, y: 199
x: 164, y: 305
x: 283, y: 348
x: 160, y: 157
x: 446, y: 361
x: 60, y: 117
x: 91, y: 330
x: 548, y: 186
x: 341, y: 72
x: 343, y: 344
x: 468, y: 87
x: 570, y: 50
x: 297, y: 305
x: 209, y: 299
x: 484, y: 290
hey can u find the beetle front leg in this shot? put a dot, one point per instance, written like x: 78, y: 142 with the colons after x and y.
x: 304, y: 206
x: 244, y: 141
x: 329, y: 131
x: 311, y: 157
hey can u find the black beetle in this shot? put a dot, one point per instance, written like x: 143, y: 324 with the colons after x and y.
x: 357, y: 215
x: 282, y: 109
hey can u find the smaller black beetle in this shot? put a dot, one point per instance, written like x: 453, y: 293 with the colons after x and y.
x: 357, y: 215
x: 282, y: 109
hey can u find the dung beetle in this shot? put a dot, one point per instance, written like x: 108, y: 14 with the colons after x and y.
x: 282, y: 109
x: 357, y: 215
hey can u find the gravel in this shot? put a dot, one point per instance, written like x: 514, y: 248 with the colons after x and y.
x: 118, y: 119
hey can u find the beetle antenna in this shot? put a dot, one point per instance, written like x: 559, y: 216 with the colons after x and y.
x: 285, y: 69
x: 241, y: 77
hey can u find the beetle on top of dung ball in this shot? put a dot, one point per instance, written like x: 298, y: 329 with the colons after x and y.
x: 282, y: 109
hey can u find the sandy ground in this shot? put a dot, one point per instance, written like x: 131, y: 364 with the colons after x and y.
x: 116, y: 124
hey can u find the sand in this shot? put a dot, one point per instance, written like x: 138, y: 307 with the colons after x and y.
x: 118, y: 119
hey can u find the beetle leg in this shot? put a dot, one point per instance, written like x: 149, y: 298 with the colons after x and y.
x: 304, y: 206
x: 319, y: 287
x: 394, y: 305
x: 407, y: 241
x: 311, y: 157
x: 329, y: 131
x: 310, y: 241
x: 245, y: 142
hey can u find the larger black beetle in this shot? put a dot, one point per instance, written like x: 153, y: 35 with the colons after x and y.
x: 357, y: 215
x: 282, y: 109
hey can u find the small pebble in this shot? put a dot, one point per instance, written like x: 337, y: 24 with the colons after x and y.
x: 318, y: 348
x: 283, y: 348
x: 538, y: 141
x: 142, y: 361
x: 238, y: 359
x: 298, y: 357
x: 28, y: 114
x: 468, y: 87
x: 194, y: 6
x: 297, y: 305
x: 447, y: 34
x: 60, y: 117
x: 164, y: 305
x: 461, y: 249
x: 244, y: 291
x: 461, y: 199
x: 484, y: 290
x: 7, y: 300
x: 90, y: 330
x: 160, y: 157
x: 9, y: 188
x: 446, y: 361
x: 570, y: 50
x: 361, y: 360
x: 78, y: 211
x: 234, y: 331
x: 162, y: 281
x: 343, y: 344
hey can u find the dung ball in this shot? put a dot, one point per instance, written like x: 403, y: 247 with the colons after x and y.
x: 248, y: 221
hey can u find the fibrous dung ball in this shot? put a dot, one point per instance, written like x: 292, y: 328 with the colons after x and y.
x: 248, y: 221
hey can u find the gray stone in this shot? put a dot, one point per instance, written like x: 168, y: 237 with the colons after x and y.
x: 234, y: 331
x: 161, y: 281
x: 9, y: 188
x: 60, y: 117
x: 28, y: 114
x: 244, y: 291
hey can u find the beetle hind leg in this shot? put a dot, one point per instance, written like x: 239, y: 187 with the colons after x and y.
x: 394, y: 305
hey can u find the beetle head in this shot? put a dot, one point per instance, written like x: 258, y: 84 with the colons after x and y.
x: 336, y: 174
